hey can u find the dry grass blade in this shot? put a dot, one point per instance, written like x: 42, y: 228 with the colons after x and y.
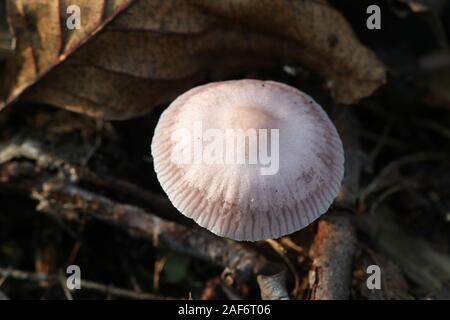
x: 387, y: 177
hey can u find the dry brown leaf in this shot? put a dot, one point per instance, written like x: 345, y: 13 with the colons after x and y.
x: 131, y: 55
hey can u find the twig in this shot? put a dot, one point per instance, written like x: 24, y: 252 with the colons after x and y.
x: 31, y: 148
x: 287, y: 242
x: 65, y: 200
x: 333, y: 250
x: 85, y: 284
x: 118, y: 292
x: 155, y: 201
x: 194, y: 241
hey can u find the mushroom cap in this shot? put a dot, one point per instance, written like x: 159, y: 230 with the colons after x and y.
x: 235, y: 200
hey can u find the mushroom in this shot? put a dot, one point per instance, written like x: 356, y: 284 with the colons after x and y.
x: 206, y: 161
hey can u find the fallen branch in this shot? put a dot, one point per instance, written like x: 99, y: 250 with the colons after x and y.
x: 61, y: 198
x: 155, y: 201
x: 335, y: 241
x: 333, y: 250
x: 33, y: 149
x: 66, y: 200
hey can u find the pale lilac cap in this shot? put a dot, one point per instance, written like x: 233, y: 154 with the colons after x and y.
x: 236, y: 200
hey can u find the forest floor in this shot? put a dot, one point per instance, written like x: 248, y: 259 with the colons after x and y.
x: 75, y: 190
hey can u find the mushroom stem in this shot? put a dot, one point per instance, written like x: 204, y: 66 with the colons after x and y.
x: 273, y: 287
